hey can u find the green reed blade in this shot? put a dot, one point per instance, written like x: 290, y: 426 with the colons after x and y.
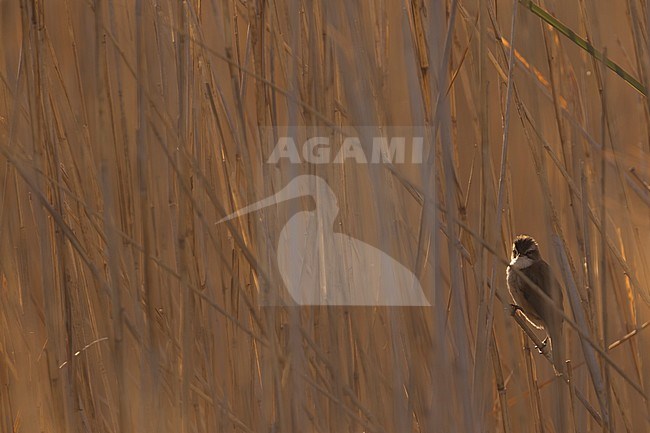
x: 584, y: 44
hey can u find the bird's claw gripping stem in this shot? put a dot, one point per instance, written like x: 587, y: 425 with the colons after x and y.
x: 542, y: 347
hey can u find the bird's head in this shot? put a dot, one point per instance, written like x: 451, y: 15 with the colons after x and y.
x: 525, y: 252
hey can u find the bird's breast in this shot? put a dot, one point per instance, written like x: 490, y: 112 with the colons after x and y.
x: 521, y: 262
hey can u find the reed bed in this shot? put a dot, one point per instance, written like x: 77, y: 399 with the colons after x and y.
x: 128, y: 129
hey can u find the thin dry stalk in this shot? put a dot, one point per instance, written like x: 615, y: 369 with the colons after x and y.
x: 572, y: 394
x: 608, y: 425
x: 500, y: 385
x: 533, y: 389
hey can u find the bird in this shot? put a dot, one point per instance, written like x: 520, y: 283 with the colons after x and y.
x: 527, y: 260
x: 321, y: 267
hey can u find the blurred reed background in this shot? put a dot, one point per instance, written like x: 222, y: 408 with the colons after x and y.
x: 128, y: 128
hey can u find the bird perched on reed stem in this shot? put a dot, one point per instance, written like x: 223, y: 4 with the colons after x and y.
x: 527, y: 260
x: 540, y: 313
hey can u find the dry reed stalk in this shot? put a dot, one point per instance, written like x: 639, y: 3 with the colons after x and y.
x: 441, y: 118
x: 107, y: 170
x: 500, y: 385
x: 185, y: 236
x: 485, y: 313
x: 608, y: 424
x: 533, y: 389
x: 572, y: 395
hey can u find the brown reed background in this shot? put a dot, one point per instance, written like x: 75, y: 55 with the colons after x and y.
x: 128, y: 128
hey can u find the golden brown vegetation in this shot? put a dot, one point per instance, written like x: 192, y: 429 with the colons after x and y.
x: 128, y: 128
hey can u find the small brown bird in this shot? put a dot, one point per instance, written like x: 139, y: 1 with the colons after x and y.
x: 541, y: 314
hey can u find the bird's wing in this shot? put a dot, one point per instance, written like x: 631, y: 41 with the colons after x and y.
x: 540, y: 274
